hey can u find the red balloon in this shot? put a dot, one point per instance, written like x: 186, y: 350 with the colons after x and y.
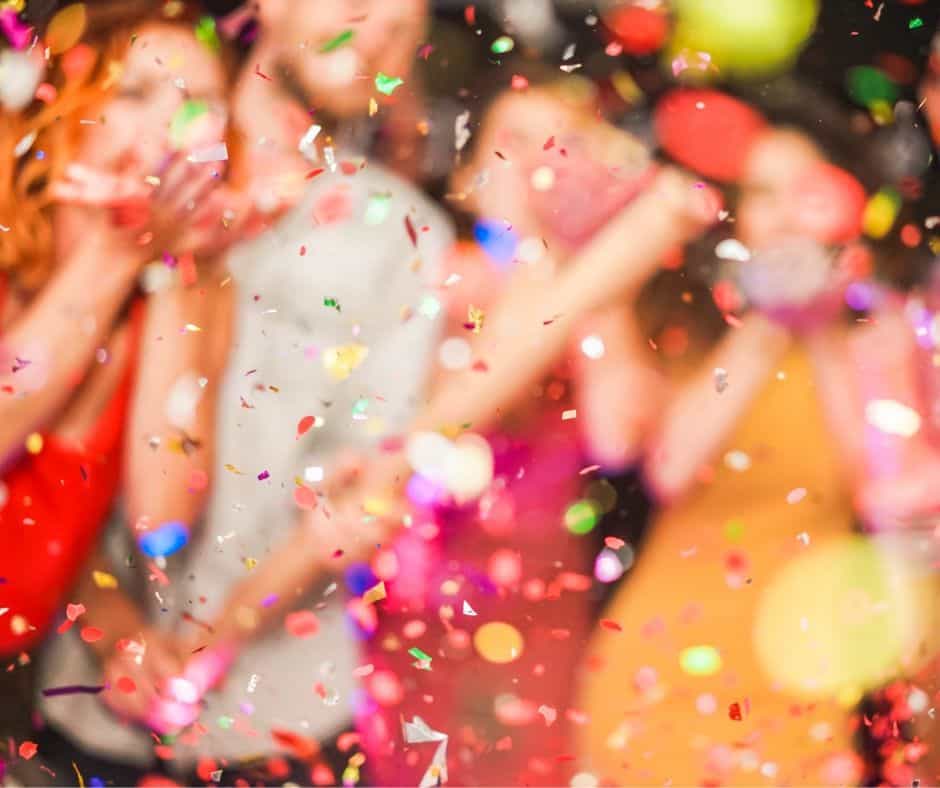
x: 640, y: 31
x: 829, y: 204
x: 708, y: 131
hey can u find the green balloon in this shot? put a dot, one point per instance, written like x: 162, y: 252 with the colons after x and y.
x: 745, y: 38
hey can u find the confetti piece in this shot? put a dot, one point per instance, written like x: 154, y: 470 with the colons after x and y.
x: 341, y: 361
x: 375, y: 594
x: 386, y: 84
x: 700, y: 660
x: 332, y: 303
x: 78, y: 775
x: 306, y: 147
x: 73, y: 611
x: 66, y: 28
x: 419, y: 655
x: 568, y: 415
x: 419, y: 732
x: 498, y: 642
x: 796, y: 495
x: 582, y: 516
x: 305, y: 498
x: 915, y: 23
x: 502, y: 45
x: 34, y: 443
x: 28, y: 749
x: 377, y: 208
x: 73, y: 689
x: 216, y: 152
x: 467, y: 610
x: 302, y: 623
x: 611, y: 625
x: 91, y: 634
x: 410, y: 229
x: 892, y: 417
x: 304, y: 425
x: 165, y: 540
x: 340, y: 40
x: 207, y: 35
x: 126, y: 684
x: 184, y: 119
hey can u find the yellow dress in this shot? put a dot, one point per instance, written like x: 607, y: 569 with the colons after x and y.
x: 737, y: 647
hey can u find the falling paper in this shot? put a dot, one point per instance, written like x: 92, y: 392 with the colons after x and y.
x: 417, y: 732
x: 215, y: 152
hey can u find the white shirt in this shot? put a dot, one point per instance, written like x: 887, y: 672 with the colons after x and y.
x: 379, y: 279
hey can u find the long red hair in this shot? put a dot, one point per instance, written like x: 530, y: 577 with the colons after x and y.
x: 81, y: 80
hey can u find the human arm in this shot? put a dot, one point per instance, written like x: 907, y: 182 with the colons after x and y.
x: 697, y: 418
x: 170, y: 432
x: 129, y: 648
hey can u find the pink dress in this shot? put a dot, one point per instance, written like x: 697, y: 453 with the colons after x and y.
x: 506, y: 558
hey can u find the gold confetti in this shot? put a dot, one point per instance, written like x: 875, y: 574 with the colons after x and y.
x: 232, y: 469
x: 475, y: 318
x: 104, y: 580
x: 373, y: 107
x: 34, y: 443
x: 251, y: 563
x: 374, y: 594
x: 339, y: 362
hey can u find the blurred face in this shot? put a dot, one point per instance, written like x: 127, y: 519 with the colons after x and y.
x: 535, y: 158
x: 165, y: 67
x: 771, y: 179
x: 335, y: 48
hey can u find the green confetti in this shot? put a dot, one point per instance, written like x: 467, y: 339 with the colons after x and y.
x: 378, y: 207
x: 206, y: 34
x: 189, y: 112
x: 343, y: 38
x: 868, y: 86
x: 332, y: 303
x: 582, y: 516
x: 359, y: 408
x: 386, y: 84
x: 419, y: 655
x: 225, y: 722
x: 915, y: 23
x: 502, y: 45
x: 700, y: 660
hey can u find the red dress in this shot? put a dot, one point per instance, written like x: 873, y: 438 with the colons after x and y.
x: 52, y: 507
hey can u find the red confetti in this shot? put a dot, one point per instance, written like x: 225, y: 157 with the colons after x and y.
x: 411, y: 231
x: 91, y: 634
x: 302, y: 623
x: 549, y: 144
x: 305, y: 424
x: 734, y: 712
x: 470, y: 14
x: 346, y: 741
x: 305, y: 498
x: 314, y: 173
x: 126, y: 684
x: 28, y: 749
x: 425, y: 52
x: 259, y: 73
x: 613, y: 542
x: 73, y: 611
x: 611, y: 625
x: 519, y: 82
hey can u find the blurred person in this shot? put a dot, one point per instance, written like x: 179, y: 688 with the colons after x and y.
x: 664, y: 210
x: 72, y: 252
x: 330, y: 349
x: 750, y: 662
